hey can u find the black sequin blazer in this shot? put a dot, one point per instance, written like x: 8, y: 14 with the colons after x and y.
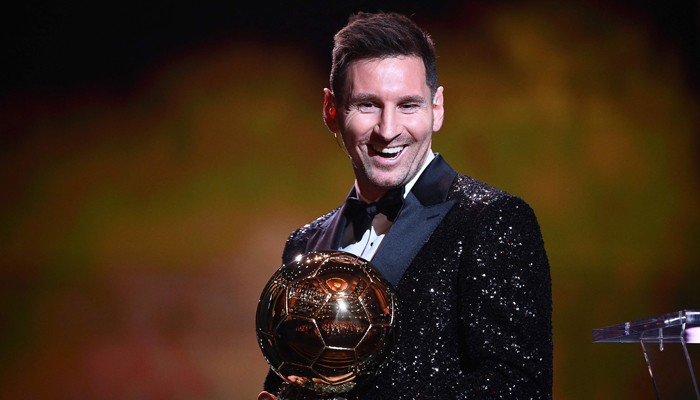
x: 474, y: 291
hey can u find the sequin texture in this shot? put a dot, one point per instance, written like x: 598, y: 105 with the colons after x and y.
x: 474, y: 305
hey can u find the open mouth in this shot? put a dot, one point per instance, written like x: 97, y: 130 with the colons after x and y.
x: 387, y: 152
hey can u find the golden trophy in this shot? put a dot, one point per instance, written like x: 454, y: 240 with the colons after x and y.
x: 326, y: 324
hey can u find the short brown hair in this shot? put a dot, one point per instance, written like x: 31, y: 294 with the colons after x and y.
x: 368, y: 36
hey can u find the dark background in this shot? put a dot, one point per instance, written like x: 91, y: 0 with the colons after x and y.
x: 61, y: 46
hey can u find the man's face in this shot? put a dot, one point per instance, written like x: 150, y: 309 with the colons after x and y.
x: 386, y: 121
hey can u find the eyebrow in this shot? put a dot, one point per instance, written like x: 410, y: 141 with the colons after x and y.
x: 412, y: 99
x: 360, y: 97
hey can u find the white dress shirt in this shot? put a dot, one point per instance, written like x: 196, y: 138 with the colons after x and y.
x: 369, y: 244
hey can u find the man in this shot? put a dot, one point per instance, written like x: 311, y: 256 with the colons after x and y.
x: 467, y: 260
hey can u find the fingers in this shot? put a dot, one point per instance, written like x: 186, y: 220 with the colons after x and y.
x: 266, y: 396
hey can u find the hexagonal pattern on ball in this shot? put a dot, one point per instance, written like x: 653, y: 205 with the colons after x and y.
x: 326, y: 321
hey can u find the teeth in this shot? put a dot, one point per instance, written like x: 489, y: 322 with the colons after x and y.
x: 388, y: 150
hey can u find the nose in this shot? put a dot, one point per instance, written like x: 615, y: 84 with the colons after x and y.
x: 388, y: 126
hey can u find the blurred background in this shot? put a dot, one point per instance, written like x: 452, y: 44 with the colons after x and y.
x: 153, y: 160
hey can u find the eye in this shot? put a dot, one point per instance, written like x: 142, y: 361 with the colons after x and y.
x: 409, y: 107
x: 366, y: 106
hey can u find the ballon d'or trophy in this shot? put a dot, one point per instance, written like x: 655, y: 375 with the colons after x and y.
x: 326, y: 324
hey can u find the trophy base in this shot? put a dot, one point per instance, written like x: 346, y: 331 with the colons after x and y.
x: 288, y: 391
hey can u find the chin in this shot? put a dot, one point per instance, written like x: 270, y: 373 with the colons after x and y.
x: 387, y: 182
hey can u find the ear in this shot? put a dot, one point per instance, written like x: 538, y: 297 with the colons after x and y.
x: 438, y: 109
x: 330, y: 111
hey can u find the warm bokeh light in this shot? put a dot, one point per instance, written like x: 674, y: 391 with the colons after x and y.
x: 137, y: 230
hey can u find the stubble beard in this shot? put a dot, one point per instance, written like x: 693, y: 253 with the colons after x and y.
x: 387, y: 180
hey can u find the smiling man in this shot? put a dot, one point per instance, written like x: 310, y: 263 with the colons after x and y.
x: 467, y: 260
x: 386, y: 118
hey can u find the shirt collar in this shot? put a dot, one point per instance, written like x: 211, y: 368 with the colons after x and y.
x: 413, y: 180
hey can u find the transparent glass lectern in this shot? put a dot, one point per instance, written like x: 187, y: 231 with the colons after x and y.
x: 664, y: 341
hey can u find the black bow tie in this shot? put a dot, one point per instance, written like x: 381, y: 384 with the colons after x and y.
x: 361, y: 214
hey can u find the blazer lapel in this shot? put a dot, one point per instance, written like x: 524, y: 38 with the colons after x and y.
x: 424, y: 208
x: 329, y: 235
x: 407, y: 236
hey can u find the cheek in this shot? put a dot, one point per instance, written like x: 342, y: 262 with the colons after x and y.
x: 420, y: 129
x: 357, y: 127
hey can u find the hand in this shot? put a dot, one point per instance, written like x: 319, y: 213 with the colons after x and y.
x: 266, y: 396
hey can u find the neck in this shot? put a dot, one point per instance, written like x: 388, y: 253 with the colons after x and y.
x: 369, y: 194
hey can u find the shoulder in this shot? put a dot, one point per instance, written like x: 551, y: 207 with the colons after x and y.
x: 297, y: 241
x: 478, y: 195
x: 480, y: 202
x: 313, y: 226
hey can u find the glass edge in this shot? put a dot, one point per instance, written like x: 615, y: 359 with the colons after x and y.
x: 629, y: 332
